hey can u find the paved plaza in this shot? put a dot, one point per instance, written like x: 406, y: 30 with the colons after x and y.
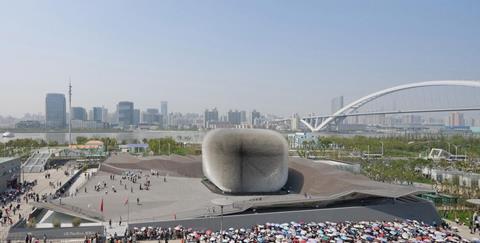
x: 170, y: 198
x: 176, y: 198
x: 43, y: 187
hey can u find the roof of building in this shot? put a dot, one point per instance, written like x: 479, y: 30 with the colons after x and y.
x: 6, y: 159
x: 474, y: 201
x: 310, y: 183
x: 134, y: 145
x: 94, y: 142
x: 305, y: 176
x: 75, y: 146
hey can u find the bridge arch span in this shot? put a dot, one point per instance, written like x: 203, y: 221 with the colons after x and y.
x: 352, y: 107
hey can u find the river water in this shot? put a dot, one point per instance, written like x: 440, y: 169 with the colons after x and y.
x: 139, y: 135
x: 62, y: 138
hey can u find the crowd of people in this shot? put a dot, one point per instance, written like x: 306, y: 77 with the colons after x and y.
x: 9, y: 211
x: 93, y: 238
x: 129, y: 176
x: 377, y: 231
x: 13, y: 194
x: 55, y: 185
x: 11, y: 201
x: 132, y: 175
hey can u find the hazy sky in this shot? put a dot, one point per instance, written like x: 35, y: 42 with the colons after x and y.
x: 275, y: 56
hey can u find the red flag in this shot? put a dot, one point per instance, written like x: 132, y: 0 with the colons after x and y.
x: 101, y: 206
x: 126, y: 201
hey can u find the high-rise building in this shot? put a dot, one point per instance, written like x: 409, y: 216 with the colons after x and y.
x: 235, y: 117
x: 185, y: 121
x: 435, y: 121
x: 125, y: 113
x: 476, y: 122
x: 55, y: 111
x: 374, y: 120
x: 105, y: 117
x: 411, y: 119
x: 255, y: 116
x: 243, y: 116
x: 471, y: 122
x: 79, y: 113
x: 337, y: 104
x: 136, y: 117
x: 164, y: 112
x: 97, y: 114
x: 151, y: 116
x: 210, y: 116
x: 295, y: 122
x: 456, y: 119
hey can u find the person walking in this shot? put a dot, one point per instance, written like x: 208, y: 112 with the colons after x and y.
x: 476, y: 221
x: 167, y: 236
x: 473, y: 223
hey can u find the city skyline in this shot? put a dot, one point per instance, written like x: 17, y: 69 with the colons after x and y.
x: 88, y: 112
x: 161, y: 106
x: 160, y: 116
x: 230, y: 55
x: 222, y: 121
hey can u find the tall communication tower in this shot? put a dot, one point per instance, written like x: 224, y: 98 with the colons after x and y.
x: 70, y: 112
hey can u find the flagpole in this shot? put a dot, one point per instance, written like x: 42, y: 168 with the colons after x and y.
x: 128, y: 210
x: 103, y: 216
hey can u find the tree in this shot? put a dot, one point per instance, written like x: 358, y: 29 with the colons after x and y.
x: 56, y: 223
x: 81, y: 140
x: 154, y: 146
x: 109, y: 143
x: 76, y: 222
x: 52, y: 143
x: 169, y: 146
x: 31, y: 223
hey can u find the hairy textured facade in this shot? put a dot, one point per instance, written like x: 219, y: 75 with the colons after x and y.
x: 245, y: 160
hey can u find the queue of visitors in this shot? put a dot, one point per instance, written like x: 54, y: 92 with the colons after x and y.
x: 12, y: 195
x: 132, y: 176
x: 128, y: 176
x: 378, y: 231
x: 11, y: 200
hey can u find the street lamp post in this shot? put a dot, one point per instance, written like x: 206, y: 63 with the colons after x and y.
x: 382, y: 147
x: 221, y: 218
x: 4, y: 147
x: 222, y: 202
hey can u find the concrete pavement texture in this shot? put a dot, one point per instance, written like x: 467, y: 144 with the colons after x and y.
x: 184, y: 196
x: 43, y: 187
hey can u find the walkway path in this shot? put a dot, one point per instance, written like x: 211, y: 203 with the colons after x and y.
x: 43, y: 186
x: 463, y: 230
x: 115, y: 229
x: 155, y: 241
x: 81, y: 180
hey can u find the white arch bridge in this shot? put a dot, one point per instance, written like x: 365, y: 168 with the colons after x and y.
x: 318, y: 123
